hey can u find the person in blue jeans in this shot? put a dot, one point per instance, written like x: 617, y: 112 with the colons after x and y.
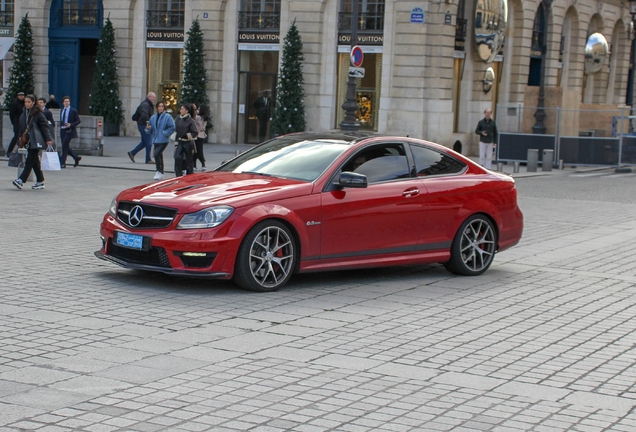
x: 145, y: 110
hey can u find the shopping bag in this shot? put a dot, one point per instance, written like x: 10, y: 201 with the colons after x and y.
x: 15, y: 159
x: 50, y: 160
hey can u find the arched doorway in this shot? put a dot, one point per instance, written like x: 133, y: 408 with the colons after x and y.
x: 74, y: 31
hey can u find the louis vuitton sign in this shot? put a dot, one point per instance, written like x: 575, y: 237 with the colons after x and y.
x: 164, y: 36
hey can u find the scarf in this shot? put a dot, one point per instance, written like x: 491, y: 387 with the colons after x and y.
x: 184, y: 117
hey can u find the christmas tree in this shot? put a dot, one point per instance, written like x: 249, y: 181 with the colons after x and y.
x: 194, y: 81
x: 289, y: 112
x: 21, y: 76
x: 104, y: 97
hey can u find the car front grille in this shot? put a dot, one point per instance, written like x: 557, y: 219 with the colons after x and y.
x: 151, y: 216
x: 156, y: 256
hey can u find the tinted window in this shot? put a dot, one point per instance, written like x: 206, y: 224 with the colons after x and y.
x: 431, y: 162
x: 380, y: 163
x: 289, y: 157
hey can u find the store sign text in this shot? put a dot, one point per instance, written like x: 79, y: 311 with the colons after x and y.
x: 344, y: 38
x: 168, y: 36
x: 259, y: 37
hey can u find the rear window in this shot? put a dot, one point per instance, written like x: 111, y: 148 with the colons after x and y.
x: 432, y: 162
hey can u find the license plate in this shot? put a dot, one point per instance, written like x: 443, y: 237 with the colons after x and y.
x: 132, y: 241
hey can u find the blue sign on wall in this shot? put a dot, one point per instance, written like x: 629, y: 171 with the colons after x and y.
x: 417, y: 15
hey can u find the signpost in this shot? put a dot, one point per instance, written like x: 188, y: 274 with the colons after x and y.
x: 357, y: 56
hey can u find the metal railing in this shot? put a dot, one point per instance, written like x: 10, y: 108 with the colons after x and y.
x: 259, y: 20
x: 372, y: 22
x: 156, y: 19
x: 578, y: 137
x: 78, y: 17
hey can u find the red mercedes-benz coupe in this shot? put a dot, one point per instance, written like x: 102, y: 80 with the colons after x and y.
x: 309, y: 202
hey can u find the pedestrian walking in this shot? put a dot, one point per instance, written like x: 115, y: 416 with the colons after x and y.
x: 49, y: 116
x: 34, y: 123
x: 15, y: 111
x: 142, y: 115
x: 69, y: 120
x: 160, y: 127
x: 52, y: 103
x: 488, y: 134
x: 201, y: 120
x: 186, y: 131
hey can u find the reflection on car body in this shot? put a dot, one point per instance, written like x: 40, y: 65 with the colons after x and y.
x: 313, y: 202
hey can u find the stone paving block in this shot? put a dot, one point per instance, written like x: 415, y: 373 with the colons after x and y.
x: 468, y: 381
x: 250, y: 342
x: 620, y: 405
x: 45, y: 398
x: 35, y: 375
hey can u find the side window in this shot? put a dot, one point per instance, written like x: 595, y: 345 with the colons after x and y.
x: 380, y: 163
x: 431, y: 162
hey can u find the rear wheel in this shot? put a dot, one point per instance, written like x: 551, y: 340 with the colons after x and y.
x: 266, y: 258
x: 473, y: 247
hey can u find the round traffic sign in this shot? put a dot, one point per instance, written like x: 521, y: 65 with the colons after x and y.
x: 356, y: 56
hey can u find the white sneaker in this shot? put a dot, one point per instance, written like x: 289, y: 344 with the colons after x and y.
x: 158, y: 176
x: 203, y: 169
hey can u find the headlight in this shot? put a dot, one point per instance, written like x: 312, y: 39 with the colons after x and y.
x: 207, y: 218
x: 112, y: 210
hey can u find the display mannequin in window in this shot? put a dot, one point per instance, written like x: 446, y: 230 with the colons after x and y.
x: 263, y: 107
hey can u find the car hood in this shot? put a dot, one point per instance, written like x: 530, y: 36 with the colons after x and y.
x: 196, y: 191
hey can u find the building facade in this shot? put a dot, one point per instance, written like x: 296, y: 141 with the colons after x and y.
x: 431, y: 68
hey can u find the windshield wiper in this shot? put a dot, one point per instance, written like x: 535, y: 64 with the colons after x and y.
x: 258, y: 173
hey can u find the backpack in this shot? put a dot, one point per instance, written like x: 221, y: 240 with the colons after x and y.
x: 135, y: 116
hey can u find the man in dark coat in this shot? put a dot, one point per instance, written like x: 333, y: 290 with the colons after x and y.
x: 15, y: 111
x: 52, y: 103
x: 145, y: 110
x: 69, y: 120
x: 48, y: 114
x: 263, y: 107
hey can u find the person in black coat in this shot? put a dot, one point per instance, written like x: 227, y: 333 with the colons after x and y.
x: 187, y: 132
x: 15, y: 111
x: 69, y: 120
x: 144, y: 111
x: 49, y: 116
x: 52, y: 103
x: 39, y: 139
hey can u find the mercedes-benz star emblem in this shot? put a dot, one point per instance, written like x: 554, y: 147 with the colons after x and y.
x: 136, y: 216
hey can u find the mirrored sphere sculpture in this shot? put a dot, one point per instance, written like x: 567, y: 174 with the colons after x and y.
x: 491, y: 18
x: 596, y: 53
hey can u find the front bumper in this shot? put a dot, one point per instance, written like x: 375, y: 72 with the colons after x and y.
x: 178, y: 272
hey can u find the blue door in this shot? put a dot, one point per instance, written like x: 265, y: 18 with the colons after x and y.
x: 64, y: 68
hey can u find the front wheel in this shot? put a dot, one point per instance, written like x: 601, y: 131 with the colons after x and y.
x: 266, y: 257
x: 473, y: 247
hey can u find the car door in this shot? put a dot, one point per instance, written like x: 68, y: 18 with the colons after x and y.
x: 383, y: 218
x: 447, y: 189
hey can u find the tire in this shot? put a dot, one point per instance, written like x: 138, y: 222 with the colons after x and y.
x: 474, y: 247
x: 266, y: 258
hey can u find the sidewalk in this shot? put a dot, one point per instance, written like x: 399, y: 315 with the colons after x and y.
x: 116, y: 157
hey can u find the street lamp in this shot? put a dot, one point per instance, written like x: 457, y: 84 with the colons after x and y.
x: 539, y: 115
x: 351, y: 104
x: 632, y: 57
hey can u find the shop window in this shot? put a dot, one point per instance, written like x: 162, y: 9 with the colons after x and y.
x: 367, y: 90
x: 165, y: 75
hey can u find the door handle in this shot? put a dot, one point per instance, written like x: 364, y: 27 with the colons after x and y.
x: 410, y: 192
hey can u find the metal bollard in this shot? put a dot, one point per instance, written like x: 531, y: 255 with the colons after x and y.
x: 548, y: 159
x: 533, y: 160
x: 560, y: 164
x: 516, y: 167
x: 499, y: 166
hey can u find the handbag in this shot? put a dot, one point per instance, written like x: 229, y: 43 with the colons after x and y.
x: 173, y: 137
x: 50, y: 160
x: 24, y: 139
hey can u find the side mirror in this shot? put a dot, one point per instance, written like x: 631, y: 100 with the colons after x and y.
x: 352, y: 180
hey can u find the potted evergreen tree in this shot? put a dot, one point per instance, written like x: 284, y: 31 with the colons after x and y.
x: 104, y: 97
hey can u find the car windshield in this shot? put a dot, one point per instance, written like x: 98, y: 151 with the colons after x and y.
x: 288, y: 157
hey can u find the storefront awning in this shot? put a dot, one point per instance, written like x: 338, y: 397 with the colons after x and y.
x: 5, y: 45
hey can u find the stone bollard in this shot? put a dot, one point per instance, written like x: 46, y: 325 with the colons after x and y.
x: 499, y: 166
x: 516, y: 167
x: 533, y: 160
x: 560, y: 164
x: 548, y: 159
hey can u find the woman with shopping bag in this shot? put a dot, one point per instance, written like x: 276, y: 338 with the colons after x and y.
x: 35, y: 136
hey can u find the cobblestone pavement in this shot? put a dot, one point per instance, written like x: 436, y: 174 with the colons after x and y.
x: 544, y: 341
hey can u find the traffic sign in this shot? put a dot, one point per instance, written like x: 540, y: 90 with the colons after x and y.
x: 356, y: 56
x: 356, y: 72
